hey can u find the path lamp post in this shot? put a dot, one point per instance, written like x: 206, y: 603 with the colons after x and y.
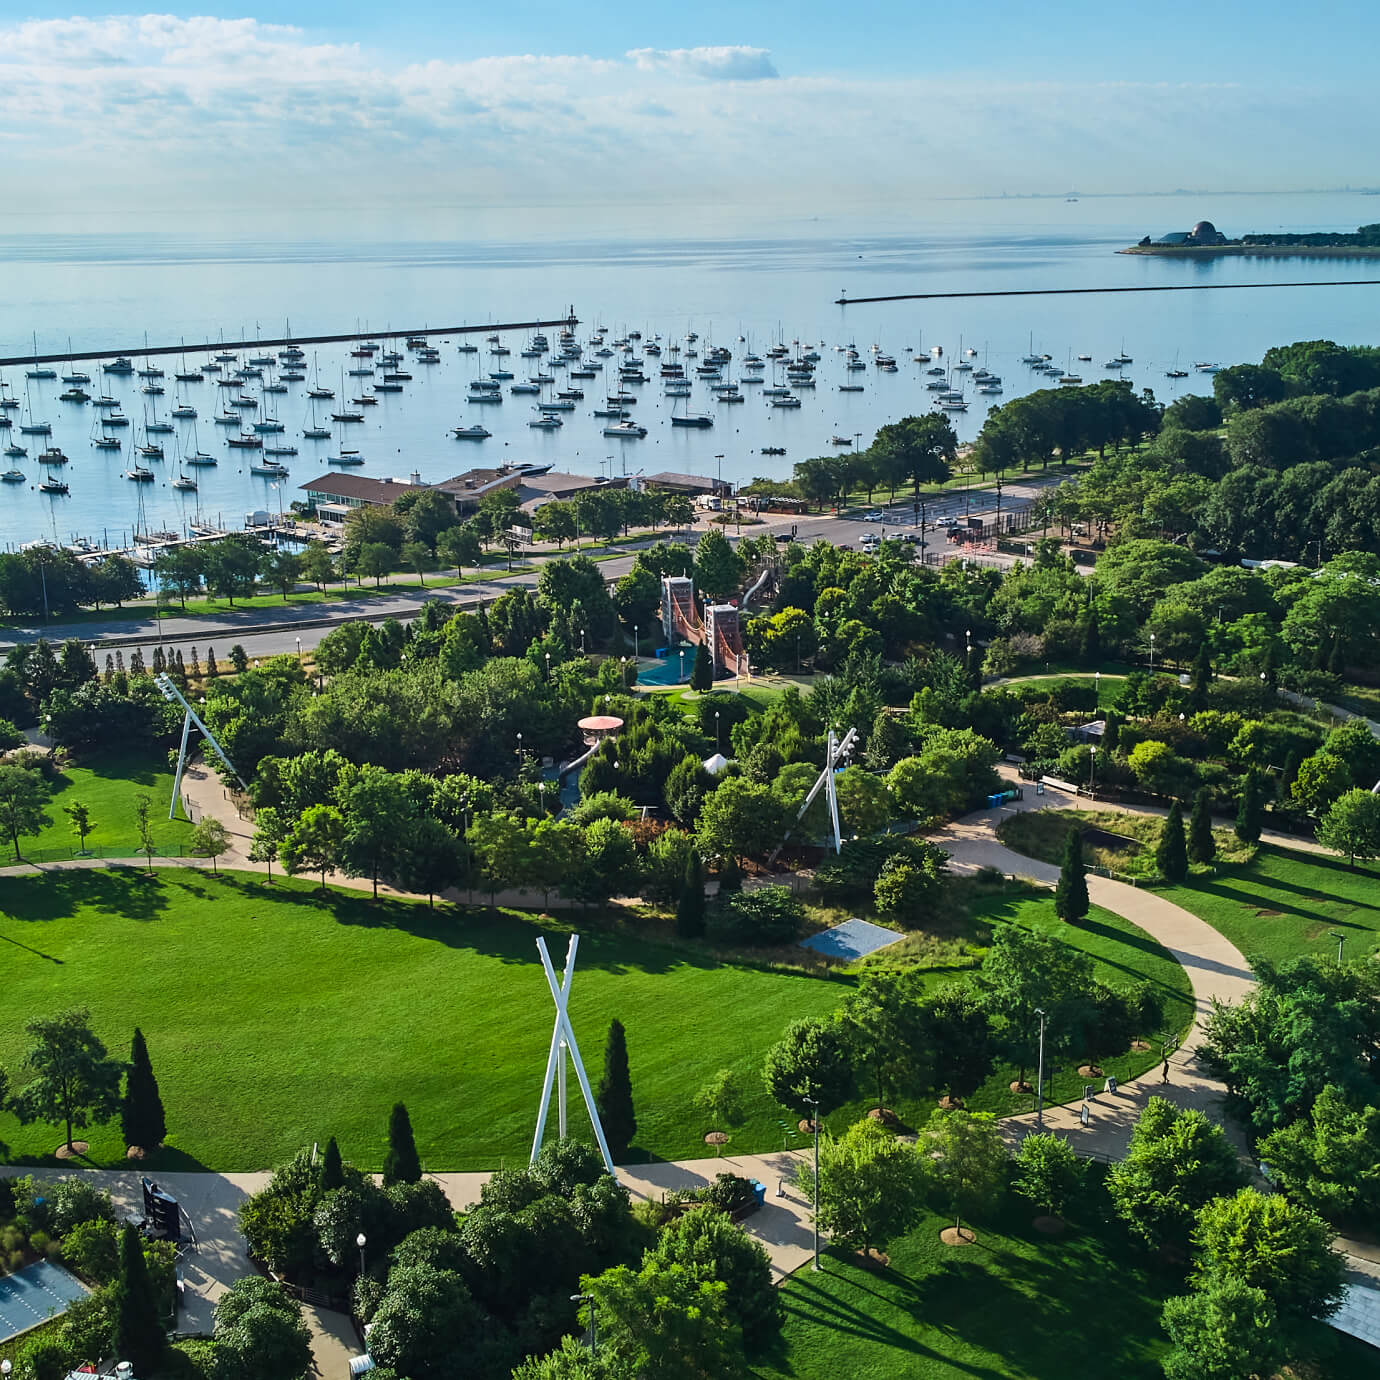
x: 1040, y: 1074
x: 1341, y: 939
x: 718, y: 737
x: 548, y: 665
x: 1092, y: 763
x: 1152, y: 654
x: 593, y: 1329
x: 519, y: 751
x: 360, y: 1241
x: 813, y: 1105
x: 1097, y: 688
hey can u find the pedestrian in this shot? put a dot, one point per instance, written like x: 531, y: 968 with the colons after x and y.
x: 1164, y: 1072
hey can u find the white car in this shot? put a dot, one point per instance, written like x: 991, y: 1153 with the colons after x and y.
x: 947, y: 522
x: 874, y: 516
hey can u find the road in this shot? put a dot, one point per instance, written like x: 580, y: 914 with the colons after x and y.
x: 269, y: 631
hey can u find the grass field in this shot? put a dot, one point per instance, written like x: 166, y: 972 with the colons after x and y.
x: 107, y: 785
x: 1015, y: 1304
x: 1287, y: 903
x: 275, y: 1017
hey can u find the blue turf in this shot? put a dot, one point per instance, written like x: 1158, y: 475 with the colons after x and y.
x: 852, y: 939
x: 35, y: 1294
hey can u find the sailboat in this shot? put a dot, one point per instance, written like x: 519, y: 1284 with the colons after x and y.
x: 316, y: 390
x: 39, y: 372
x: 198, y: 457
x: 316, y: 432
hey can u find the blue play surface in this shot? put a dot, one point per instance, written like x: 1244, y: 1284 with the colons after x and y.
x: 35, y: 1294
x: 852, y: 939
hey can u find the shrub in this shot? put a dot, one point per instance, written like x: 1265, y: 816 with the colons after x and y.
x: 93, y: 1250
x: 765, y: 915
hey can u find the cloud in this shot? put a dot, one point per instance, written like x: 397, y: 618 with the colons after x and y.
x: 718, y: 64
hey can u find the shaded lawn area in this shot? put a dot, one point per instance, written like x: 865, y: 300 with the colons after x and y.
x: 275, y: 1018
x: 1285, y: 903
x: 107, y: 783
x: 1015, y: 1304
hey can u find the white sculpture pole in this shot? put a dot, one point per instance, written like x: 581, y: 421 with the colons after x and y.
x: 563, y: 1040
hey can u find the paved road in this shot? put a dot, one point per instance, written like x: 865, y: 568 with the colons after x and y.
x: 271, y: 636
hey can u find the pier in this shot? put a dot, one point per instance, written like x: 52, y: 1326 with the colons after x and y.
x: 1078, y: 292
x: 569, y: 321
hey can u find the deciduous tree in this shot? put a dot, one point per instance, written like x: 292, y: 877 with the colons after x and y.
x: 871, y: 1186
x: 72, y: 1080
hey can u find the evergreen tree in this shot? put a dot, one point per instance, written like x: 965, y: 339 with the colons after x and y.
x: 160, y: 662
x: 1250, y: 813
x: 139, y: 1335
x: 1171, y: 856
x: 1202, y: 847
x: 1112, y: 732
x: 141, y: 1111
x: 1290, y: 773
x: 1201, y: 676
x: 332, y: 1172
x: 109, y: 668
x: 1336, y: 661
x: 613, y: 1098
x: 730, y: 876
x: 1071, y: 895
x: 690, y: 906
x: 702, y: 673
x: 401, y: 1165
x: 212, y: 670
x: 1090, y: 641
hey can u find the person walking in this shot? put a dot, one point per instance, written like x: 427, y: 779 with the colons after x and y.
x: 1164, y: 1072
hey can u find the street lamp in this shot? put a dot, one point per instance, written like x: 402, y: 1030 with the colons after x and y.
x: 360, y: 1242
x: 519, y: 749
x: 813, y: 1104
x: 1092, y: 763
x: 635, y: 642
x: 1341, y: 939
x: 593, y: 1329
x: 1152, y: 654
x: 548, y: 665
x: 718, y: 737
x: 299, y: 649
x: 1040, y: 1074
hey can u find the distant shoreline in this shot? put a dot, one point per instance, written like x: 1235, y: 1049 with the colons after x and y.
x: 1258, y: 251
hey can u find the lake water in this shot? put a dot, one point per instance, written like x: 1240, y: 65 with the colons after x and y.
x: 739, y: 279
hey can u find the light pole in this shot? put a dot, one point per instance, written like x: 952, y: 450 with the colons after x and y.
x: 299, y: 649
x: 1341, y: 939
x: 813, y: 1105
x: 1040, y: 1074
x: 1092, y: 763
x: 360, y: 1241
x: 718, y: 737
x: 1152, y: 654
x: 593, y: 1329
x: 548, y: 665
x: 635, y: 642
x: 519, y: 751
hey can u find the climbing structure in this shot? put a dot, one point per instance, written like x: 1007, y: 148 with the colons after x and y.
x: 718, y: 630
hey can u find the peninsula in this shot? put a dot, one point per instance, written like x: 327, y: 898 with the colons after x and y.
x: 1205, y: 240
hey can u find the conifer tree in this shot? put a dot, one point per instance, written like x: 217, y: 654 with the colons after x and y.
x: 1250, y: 813
x: 1201, y: 676
x: 212, y: 670
x: 613, y: 1098
x: 139, y: 1336
x: 1171, y: 856
x: 690, y: 906
x: 160, y: 662
x: 1071, y: 895
x: 332, y: 1171
x: 142, y: 1119
x: 702, y: 672
x: 401, y: 1165
x: 1202, y: 847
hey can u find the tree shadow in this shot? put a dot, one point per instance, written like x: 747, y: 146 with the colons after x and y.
x: 56, y: 893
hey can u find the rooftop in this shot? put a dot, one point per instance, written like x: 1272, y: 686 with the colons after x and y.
x: 364, y: 487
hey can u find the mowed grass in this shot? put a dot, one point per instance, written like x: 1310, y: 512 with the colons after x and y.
x: 1014, y: 1304
x: 108, y: 785
x: 1286, y: 903
x: 276, y: 1018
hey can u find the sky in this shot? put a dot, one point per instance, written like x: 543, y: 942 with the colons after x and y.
x: 534, y: 103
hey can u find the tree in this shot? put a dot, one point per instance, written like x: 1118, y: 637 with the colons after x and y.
x: 138, y: 1329
x: 282, y: 569
x: 690, y: 902
x: 871, y: 1186
x: 210, y: 839
x: 23, y: 795
x: 1177, y: 1161
x: 613, y: 1098
x: 376, y: 559
x: 740, y: 819
x: 721, y: 1100
x: 964, y: 1161
x: 1048, y: 1172
x: 270, y: 829
x: 314, y: 842
x: 1251, y: 811
x: 811, y: 1061
x: 1071, y: 894
x: 73, y: 1080
x: 713, y: 1247
x: 143, y: 828
x: 664, y: 1320
x: 1171, y: 853
x: 1269, y: 1243
x: 1321, y: 779
x: 232, y: 566
x: 416, y: 556
x: 702, y: 672
x: 1352, y: 825
x: 458, y: 547
x: 317, y: 567
x: 956, y: 1029
x: 1202, y: 847
x: 1222, y: 1332
x: 401, y: 1163
x: 880, y: 1022
x: 142, y: 1120
x: 332, y: 1170
x: 426, y: 1318
x: 260, y: 1333
x: 718, y: 567
x: 80, y: 815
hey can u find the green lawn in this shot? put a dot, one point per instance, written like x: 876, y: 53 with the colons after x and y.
x: 1286, y: 903
x: 108, y: 785
x: 275, y: 1017
x: 1015, y: 1304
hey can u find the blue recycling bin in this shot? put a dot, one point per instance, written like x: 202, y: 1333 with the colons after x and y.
x: 759, y: 1191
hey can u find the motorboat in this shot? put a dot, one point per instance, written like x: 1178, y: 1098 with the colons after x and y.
x: 625, y: 431
x: 13, y: 476
x: 695, y: 419
x: 346, y: 457
x: 546, y: 422
x: 471, y: 433
x: 790, y: 400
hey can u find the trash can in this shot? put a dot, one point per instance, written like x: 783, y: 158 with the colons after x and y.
x: 759, y: 1191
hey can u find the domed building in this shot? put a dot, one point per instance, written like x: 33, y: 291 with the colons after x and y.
x: 1204, y: 233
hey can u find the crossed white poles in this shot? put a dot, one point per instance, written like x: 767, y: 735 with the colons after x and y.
x: 563, y: 1040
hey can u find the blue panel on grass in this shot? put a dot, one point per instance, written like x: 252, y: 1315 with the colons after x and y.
x: 852, y: 939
